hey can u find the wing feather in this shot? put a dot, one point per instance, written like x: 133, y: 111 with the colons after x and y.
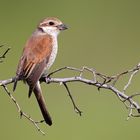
x: 33, y: 61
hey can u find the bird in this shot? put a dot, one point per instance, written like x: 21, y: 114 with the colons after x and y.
x: 38, y: 55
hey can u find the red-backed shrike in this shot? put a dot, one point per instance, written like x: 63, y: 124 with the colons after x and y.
x: 38, y: 55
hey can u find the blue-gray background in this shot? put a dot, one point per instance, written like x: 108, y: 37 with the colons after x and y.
x: 103, y: 34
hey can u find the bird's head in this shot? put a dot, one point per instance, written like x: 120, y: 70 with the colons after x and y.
x: 52, y: 26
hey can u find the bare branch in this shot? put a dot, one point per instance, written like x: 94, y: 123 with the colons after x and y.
x: 130, y: 79
x: 4, y: 54
x: 96, y: 79
x: 23, y: 114
x: 77, y: 110
x: 107, y: 82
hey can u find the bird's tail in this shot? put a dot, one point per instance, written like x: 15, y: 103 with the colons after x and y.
x: 41, y: 102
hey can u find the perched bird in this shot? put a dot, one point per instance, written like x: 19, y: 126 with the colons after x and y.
x: 38, y: 56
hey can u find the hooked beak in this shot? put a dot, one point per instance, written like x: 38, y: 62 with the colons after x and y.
x: 62, y: 27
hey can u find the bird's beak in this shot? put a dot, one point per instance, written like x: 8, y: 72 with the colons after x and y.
x: 62, y: 27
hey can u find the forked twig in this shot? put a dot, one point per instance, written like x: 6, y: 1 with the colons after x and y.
x: 23, y: 114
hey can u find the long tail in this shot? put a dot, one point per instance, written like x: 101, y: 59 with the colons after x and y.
x: 41, y: 102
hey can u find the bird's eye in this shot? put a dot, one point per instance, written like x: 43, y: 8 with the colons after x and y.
x: 51, y: 23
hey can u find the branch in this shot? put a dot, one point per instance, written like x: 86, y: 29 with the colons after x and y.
x: 96, y: 79
x: 23, y: 114
x: 4, y: 54
x: 100, y: 80
x: 73, y: 102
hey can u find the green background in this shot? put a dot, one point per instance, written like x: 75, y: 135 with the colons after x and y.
x: 103, y: 34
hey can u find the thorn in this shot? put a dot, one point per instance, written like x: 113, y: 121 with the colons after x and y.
x: 21, y: 113
x: 60, y: 83
x: 138, y: 110
x: 99, y: 88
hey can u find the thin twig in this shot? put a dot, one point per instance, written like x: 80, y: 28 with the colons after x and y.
x: 35, y: 123
x: 76, y: 109
x: 4, y: 54
x: 129, y: 81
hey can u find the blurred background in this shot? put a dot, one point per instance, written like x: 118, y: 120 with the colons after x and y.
x: 103, y: 34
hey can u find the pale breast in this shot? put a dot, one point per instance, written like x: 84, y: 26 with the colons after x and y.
x: 53, y: 55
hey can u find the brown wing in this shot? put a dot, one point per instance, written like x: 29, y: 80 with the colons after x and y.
x: 33, y: 61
